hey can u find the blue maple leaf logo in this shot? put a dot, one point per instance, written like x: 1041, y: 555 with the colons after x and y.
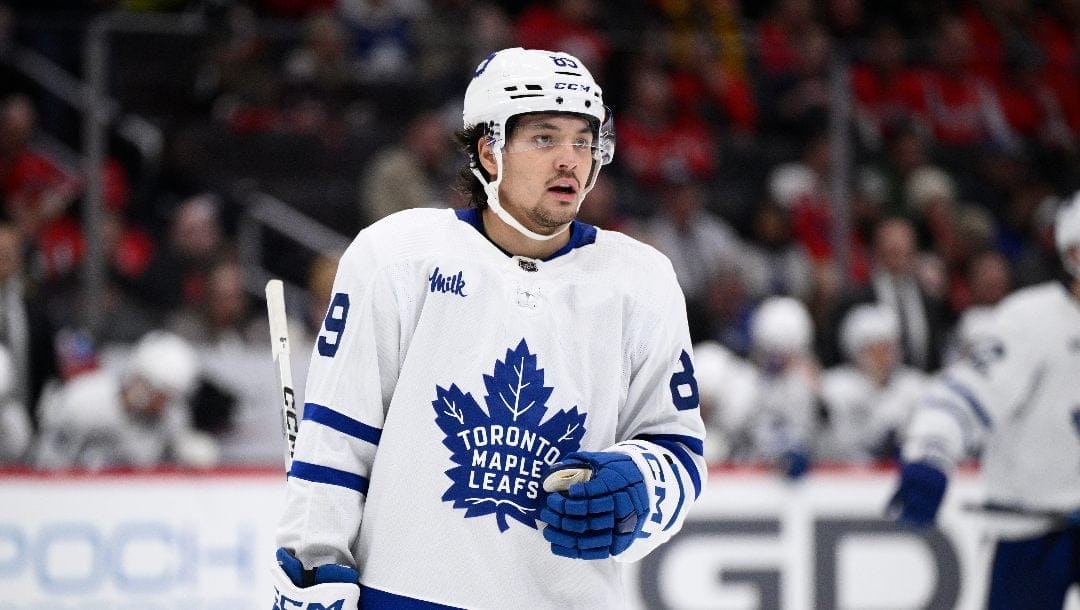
x: 502, y: 452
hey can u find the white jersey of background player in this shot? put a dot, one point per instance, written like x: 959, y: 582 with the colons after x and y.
x: 870, y: 399
x: 103, y: 418
x: 1016, y: 395
x: 765, y: 410
x: 727, y: 385
x: 15, y: 429
x: 466, y: 353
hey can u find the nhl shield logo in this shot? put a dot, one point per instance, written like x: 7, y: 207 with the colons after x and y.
x: 502, y: 452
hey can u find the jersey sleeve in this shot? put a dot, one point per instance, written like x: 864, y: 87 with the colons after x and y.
x: 966, y: 400
x: 661, y: 427
x: 353, y: 370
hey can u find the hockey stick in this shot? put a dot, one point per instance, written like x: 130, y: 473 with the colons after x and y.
x: 279, y: 337
x: 1058, y: 518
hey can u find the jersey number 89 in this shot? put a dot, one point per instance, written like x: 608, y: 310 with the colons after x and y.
x: 334, y: 325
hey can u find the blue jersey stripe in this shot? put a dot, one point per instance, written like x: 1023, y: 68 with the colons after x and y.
x: 969, y: 398
x: 693, y: 443
x: 328, y: 476
x: 373, y: 598
x: 677, y: 448
x: 342, y: 423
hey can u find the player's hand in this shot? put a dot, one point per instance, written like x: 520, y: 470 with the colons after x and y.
x: 794, y: 464
x: 328, y: 586
x: 918, y: 497
x: 600, y: 517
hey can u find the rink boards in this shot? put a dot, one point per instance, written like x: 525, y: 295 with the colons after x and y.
x: 169, y: 540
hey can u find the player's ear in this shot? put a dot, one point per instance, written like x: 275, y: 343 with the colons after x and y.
x: 486, y: 148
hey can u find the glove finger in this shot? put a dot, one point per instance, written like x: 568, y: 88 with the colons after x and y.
x: 567, y: 506
x: 565, y: 551
x: 602, y: 521
x: 639, y: 496
x: 604, y: 481
x: 602, y: 504
x: 600, y: 553
x: 621, y: 543
x: 594, y: 539
x: 575, y: 525
x: 551, y: 517
x: 623, y: 505
x: 557, y: 536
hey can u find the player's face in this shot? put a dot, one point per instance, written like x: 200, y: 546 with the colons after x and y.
x: 546, y: 163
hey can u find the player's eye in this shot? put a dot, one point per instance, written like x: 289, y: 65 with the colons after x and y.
x: 543, y: 140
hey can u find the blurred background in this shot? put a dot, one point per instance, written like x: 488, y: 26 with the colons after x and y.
x: 844, y: 188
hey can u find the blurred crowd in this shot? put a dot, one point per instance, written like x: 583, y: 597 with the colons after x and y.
x: 844, y: 188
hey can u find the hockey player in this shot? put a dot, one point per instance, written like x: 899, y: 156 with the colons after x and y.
x: 467, y: 354
x: 102, y: 419
x: 868, y: 400
x: 783, y: 424
x: 1014, y: 396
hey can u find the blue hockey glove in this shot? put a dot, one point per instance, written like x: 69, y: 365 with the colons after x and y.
x: 919, y: 495
x: 600, y: 517
x: 331, y: 586
x: 794, y: 464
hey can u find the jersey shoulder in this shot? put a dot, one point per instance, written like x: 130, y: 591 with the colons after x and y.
x: 401, y: 236
x: 619, y: 251
x: 1034, y: 306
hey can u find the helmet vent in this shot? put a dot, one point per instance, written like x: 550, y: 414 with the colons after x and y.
x: 511, y: 88
x: 569, y: 73
x: 534, y: 87
x: 521, y: 95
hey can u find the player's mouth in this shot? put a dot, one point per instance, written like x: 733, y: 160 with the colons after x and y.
x: 564, y: 189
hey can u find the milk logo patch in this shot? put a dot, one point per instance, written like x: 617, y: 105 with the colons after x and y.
x: 503, y: 449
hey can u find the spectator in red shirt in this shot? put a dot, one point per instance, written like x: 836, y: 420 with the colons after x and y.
x: 659, y: 141
x: 565, y: 25
x: 882, y: 85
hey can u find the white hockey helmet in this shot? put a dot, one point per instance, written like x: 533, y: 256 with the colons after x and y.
x: 518, y: 81
x: 865, y: 325
x: 1067, y: 234
x: 166, y: 362
x: 782, y: 325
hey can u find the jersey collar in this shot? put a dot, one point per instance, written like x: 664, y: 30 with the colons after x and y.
x: 581, y: 234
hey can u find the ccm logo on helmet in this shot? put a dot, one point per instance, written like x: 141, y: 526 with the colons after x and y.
x: 572, y: 86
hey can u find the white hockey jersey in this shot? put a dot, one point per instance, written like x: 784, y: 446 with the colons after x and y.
x: 865, y: 418
x: 449, y: 376
x: 1017, y: 395
x: 84, y: 425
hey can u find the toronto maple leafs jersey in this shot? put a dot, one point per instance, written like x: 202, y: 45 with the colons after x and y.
x: 865, y: 419
x: 449, y: 376
x: 1015, y: 394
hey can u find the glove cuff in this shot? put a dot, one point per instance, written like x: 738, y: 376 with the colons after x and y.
x: 334, y: 584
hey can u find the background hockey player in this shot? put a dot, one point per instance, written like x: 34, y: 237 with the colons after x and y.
x: 765, y: 409
x: 869, y: 400
x: 467, y: 354
x: 1015, y: 397
x: 135, y: 418
x: 15, y: 430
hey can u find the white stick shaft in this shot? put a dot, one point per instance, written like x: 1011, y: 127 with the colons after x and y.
x: 279, y: 337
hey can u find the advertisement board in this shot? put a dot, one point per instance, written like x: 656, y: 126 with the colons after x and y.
x: 204, y: 541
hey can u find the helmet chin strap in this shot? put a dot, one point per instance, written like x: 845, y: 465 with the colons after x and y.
x: 492, y: 190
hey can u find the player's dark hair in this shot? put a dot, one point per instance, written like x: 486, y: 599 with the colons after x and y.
x: 468, y: 140
x: 468, y: 184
